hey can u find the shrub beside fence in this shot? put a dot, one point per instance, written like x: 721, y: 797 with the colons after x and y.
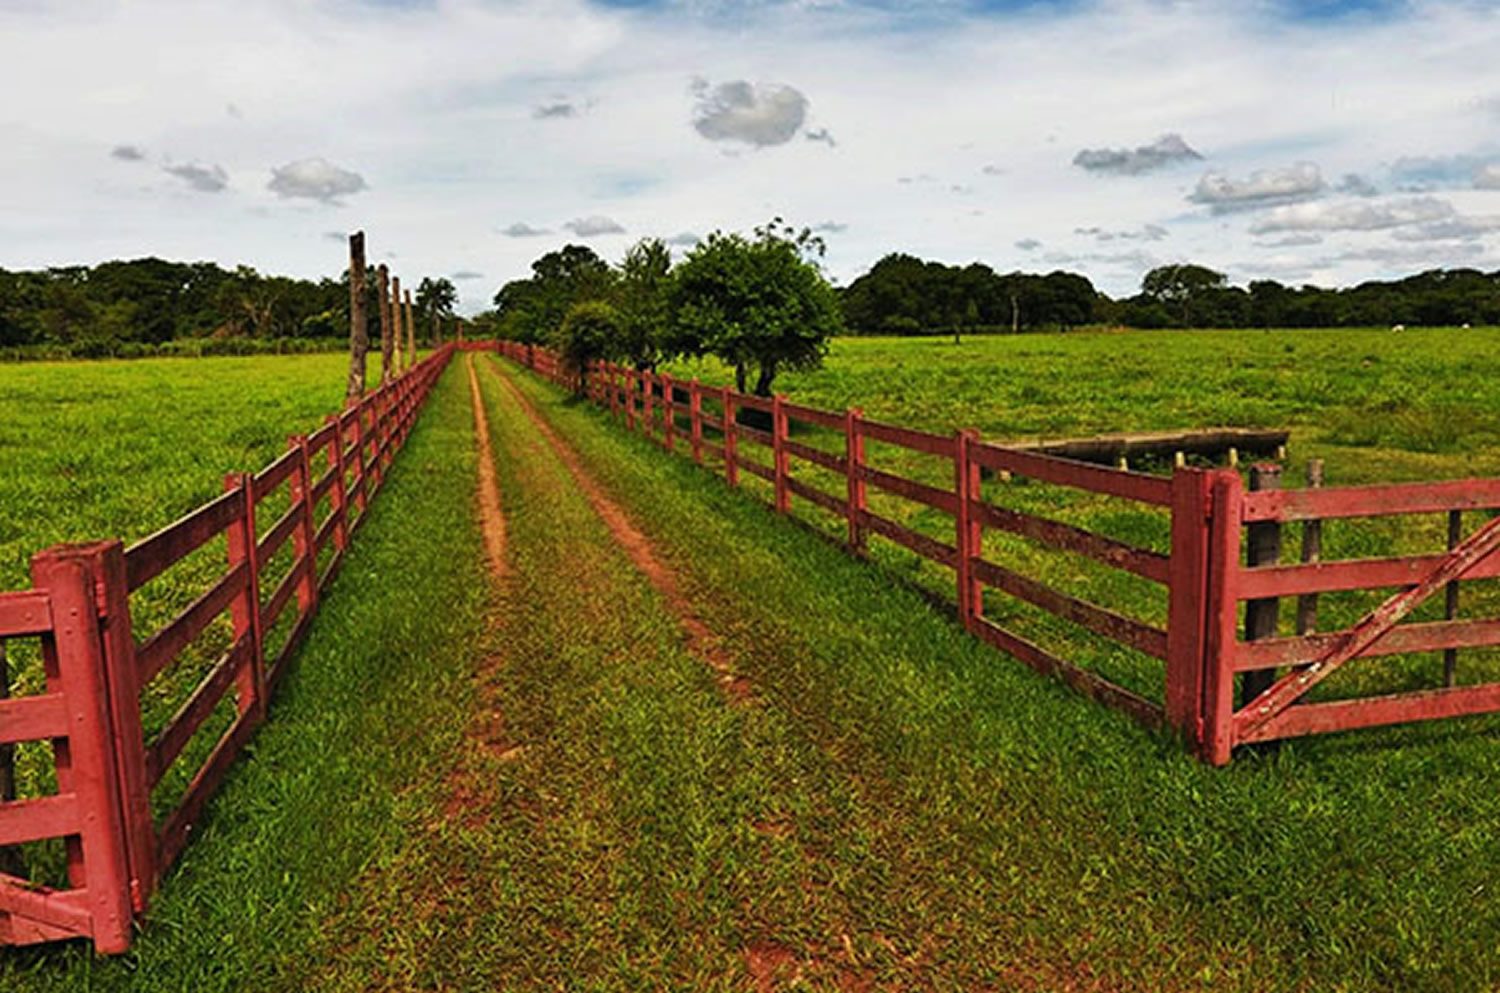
x: 98, y: 667
x: 1235, y: 670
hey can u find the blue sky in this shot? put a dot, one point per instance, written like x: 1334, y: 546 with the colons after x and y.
x: 1300, y: 140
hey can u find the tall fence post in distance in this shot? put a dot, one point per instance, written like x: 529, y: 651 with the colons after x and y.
x: 1263, y: 616
x: 122, y: 676
x: 695, y: 416
x: 731, y: 438
x: 669, y: 413
x: 778, y: 451
x: 856, y: 501
x: 86, y: 761
x: 1222, y: 613
x: 305, y: 544
x: 968, y: 529
x: 1187, y: 605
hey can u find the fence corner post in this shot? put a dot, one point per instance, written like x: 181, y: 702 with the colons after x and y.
x: 1222, y: 615
x: 1187, y: 604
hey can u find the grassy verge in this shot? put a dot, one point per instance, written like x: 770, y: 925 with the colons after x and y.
x: 971, y: 824
x: 358, y: 738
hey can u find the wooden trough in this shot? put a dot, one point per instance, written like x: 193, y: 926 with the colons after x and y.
x: 1218, y: 444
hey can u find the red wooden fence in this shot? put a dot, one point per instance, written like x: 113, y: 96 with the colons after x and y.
x: 97, y: 667
x: 1215, y: 577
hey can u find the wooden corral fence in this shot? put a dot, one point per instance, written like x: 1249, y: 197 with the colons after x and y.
x: 98, y: 666
x: 1231, y: 674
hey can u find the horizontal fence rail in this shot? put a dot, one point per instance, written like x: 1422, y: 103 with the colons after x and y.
x: 98, y: 669
x: 1223, y: 571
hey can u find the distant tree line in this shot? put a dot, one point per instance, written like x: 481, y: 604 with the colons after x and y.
x: 151, y: 306
x: 758, y: 302
x: 905, y: 295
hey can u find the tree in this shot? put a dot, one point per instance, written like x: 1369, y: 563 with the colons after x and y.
x: 641, y: 296
x: 758, y: 303
x: 531, y: 310
x: 1177, y: 287
x: 588, y: 333
x: 435, y: 300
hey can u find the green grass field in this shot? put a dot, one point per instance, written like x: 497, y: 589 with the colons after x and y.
x: 539, y: 787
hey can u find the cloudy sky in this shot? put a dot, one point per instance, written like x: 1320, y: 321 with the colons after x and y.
x: 1302, y: 140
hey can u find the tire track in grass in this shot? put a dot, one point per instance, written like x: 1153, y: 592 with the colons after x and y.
x: 491, y: 515
x: 701, y: 640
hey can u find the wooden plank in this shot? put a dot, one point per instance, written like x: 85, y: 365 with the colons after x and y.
x: 162, y: 647
x: 833, y: 505
x: 752, y: 402
x: 1373, y: 501
x: 921, y: 441
x: 1079, y: 475
x: 815, y: 455
x: 276, y: 473
x: 1108, y: 448
x: 325, y: 531
x: 1368, y: 712
x: 1146, y: 564
x: 1350, y: 574
x: 1116, y: 627
x: 756, y: 435
x: 1090, y: 684
x: 812, y: 415
x: 756, y: 469
x: 323, y: 485
x: 150, y: 557
x: 283, y: 529
x: 1400, y: 640
x: 43, y: 909
x: 174, y: 832
x: 33, y: 718
x: 319, y: 439
x: 910, y: 489
x: 929, y: 548
x: 194, y: 711
x: 25, y: 612
x: 34, y: 820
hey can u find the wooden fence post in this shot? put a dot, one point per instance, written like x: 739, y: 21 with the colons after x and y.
x: 695, y: 415
x: 778, y: 451
x: 731, y: 438
x: 123, y: 678
x: 1187, y: 605
x: 244, y: 609
x: 359, y: 339
x: 340, y: 496
x: 648, y: 392
x: 1222, y: 613
x: 1450, y: 597
x: 856, y: 501
x: 969, y: 532
x: 86, y: 762
x: 304, y: 539
x: 1262, y: 616
x: 669, y: 413
x: 630, y: 399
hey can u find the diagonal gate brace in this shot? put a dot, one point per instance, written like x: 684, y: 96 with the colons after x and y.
x: 1371, y: 628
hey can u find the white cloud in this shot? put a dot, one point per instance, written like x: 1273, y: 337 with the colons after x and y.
x: 1028, y: 244
x: 1353, y: 215
x: 756, y: 114
x: 520, y: 229
x: 1487, y: 177
x: 1148, y: 232
x: 314, y: 179
x: 203, y: 178
x: 588, y: 227
x: 1167, y: 150
x: 1262, y: 188
x: 127, y: 153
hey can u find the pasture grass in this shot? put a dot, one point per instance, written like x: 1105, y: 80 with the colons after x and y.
x: 968, y: 824
x: 358, y: 739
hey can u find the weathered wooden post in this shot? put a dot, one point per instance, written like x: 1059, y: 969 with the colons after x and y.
x: 731, y: 438
x: 397, y: 337
x: 1312, y: 551
x: 1264, y: 549
x: 855, y: 500
x: 244, y: 609
x: 968, y: 530
x: 630, y: 399
x: 411, y: 334
x: 1221, y: 614
x: 383, y: 284
x: 669, y: 413
x: 1187, y: 602
x: 695, y: 416
x: 304, y: 539
x: 1450, y: 597
x: 778, y: 451
x: 648, y: 392
x: 359, y: 340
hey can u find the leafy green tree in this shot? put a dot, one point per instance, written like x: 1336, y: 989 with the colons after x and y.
x: 641, y: 296
x: 588, y: 333
x: 1178, y: 287
x: 434, y: 304
x: 758, y: 303
x: 531, y: 310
